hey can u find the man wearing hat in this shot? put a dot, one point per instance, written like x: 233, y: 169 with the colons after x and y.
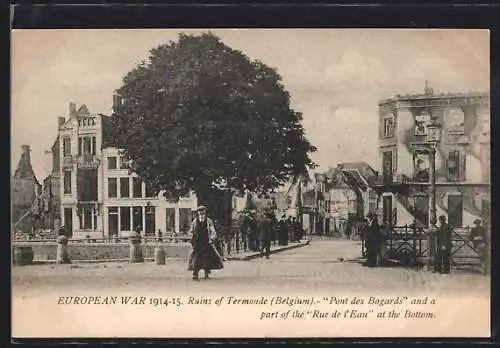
x: 204, y: 255
x: 443, y: 252
x: 479, y: 242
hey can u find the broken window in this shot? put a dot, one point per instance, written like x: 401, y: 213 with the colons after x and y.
x: 421, y: 122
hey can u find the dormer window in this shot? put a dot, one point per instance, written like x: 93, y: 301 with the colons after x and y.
x: 421, y: 122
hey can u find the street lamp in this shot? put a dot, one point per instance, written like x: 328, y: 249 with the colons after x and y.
x: 433, y: 140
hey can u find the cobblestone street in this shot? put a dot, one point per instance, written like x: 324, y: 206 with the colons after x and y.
x: 313, y: 268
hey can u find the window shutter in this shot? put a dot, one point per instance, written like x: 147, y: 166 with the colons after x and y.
x: 461, y: 165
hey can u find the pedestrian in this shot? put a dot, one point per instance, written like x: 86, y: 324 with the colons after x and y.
x: 265, y: 234
x: 204, y: 255
x: 478, y: 237
x: 373, y: 239
x: 289, y: 226
x: 282, y: 231
x: 443, y: 243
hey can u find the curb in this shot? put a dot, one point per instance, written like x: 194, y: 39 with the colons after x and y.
x: 258, y: 254
x: 150, y: 259
x: 146, y: 260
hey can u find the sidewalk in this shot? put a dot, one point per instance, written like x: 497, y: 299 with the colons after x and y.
x: 249, y: 255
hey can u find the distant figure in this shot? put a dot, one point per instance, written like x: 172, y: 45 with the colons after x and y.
x: 479, y: 238
x: 282, y: 231
x: 373, y: 240
x: 265, y: 234
x: 443, y: 252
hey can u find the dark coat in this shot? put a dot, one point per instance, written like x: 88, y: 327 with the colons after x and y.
x: 443, y: 236
x: 266, y: 229
x: 204, y: 255
x: 373, y: 236
x: 478, y: 236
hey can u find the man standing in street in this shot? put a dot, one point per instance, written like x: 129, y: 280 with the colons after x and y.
x: 373, y: 239
x: 265, y: 234
x: 443, y: 243
x: 479, y: 242
x: 204, y: 255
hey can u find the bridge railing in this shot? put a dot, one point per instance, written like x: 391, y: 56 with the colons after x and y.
x: 410, y: 246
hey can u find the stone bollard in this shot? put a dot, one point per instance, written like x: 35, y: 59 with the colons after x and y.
x: 135, y: 255
x: 160, y: 258
x: 62, y: 255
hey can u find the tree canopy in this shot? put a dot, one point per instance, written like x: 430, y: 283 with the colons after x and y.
x: 199, y: 115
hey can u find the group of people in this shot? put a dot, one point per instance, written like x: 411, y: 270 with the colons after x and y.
x: 254, y: 234
x: 440, y: 242
x: 207, y: 253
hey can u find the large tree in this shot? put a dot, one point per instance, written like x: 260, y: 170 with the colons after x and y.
x: 199, y: 114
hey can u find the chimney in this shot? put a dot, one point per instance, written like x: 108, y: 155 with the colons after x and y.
x: 26, y: 152
x: 48, y: 161
x: 72, y: 109
x: 117, y: 100
x: 61, y: 121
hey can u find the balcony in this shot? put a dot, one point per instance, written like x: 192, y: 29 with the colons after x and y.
x: 396, y: 179
x: 67, y: 162
x: 88, y: 161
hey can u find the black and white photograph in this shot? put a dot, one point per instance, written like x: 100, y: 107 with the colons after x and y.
x: 259, y: 183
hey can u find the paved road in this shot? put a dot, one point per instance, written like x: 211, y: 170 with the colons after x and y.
x: 313, y: 268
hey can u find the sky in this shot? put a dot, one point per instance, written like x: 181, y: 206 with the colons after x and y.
x: 336, y: 77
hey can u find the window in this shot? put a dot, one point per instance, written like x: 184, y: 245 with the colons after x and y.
x: 454, y: 119
x: 112, y: 188
x: 137, y: 217
x: 111, y: 162
x: 454, y: 165
x: 149, y: 192
x: 387, y: 168
x: 86, y: 218
x: 113, y: 221
x: 421, y: 163
x: 137, y: 187
x: 94, y: 144
x: 388, y: 127
x: 184, y: 219
x: 67, y: 182
x: 66, y: 146
x: 170, y: 220
x: 124, y: 188
x: 125, y: 219
x: 421, y: 122
x: 124, y: 163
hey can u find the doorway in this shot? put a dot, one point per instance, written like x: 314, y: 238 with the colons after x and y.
x: 455, y: 210
x: 387, y: 211
x: 68, y: 222
x: 150, y: 221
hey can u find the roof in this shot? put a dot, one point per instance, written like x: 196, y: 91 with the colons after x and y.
x: 433, y: 96
x: 83, y: 111
x: 354, y: 179
x: 364, y: 169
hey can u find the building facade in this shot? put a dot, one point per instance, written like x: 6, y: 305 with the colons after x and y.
x: 99, y: 196
x: 26, y: 190
x: 344, y: 193
x: 462, y: 158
